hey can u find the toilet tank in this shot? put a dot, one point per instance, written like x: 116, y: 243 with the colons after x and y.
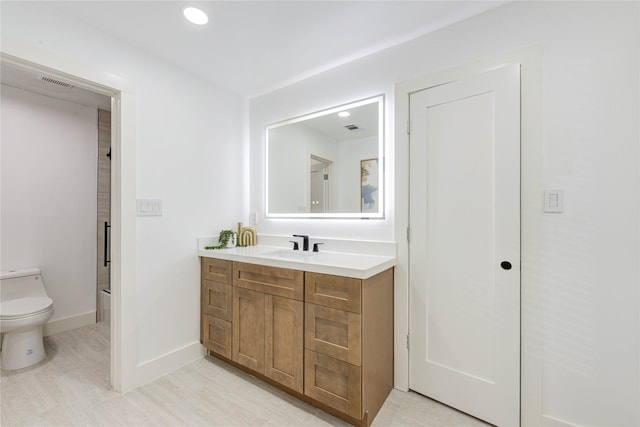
x: 23, y: 283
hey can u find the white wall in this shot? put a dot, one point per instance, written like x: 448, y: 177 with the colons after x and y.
x: 189, y: 151
x: 49, y: 195
x: 587, y: 273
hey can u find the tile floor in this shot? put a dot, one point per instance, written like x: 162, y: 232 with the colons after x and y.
x: 71, y: 388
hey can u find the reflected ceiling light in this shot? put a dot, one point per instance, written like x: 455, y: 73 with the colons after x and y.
x: 344, y: 114
x: 195, y: 15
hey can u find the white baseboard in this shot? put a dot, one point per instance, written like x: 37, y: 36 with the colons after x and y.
x: 69, y: 323
x: 549, y: 421
x: 160, y: 366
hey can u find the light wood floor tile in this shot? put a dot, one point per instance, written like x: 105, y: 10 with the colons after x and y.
x: 71, y: 387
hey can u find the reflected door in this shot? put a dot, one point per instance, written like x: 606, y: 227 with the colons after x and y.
x: 319, y: 185
x: 465, y: 253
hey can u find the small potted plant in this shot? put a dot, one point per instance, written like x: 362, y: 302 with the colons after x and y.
x: 226, y: 239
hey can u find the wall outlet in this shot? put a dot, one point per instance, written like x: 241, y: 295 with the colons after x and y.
x: 253, y: 218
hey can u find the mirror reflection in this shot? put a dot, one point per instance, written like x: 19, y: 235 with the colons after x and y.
x: 326, y: 164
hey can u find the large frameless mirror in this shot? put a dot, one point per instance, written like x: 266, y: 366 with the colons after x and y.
x: 327, y: 164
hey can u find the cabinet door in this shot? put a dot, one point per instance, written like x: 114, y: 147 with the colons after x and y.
x: 284, y: 345
x: 248, y: 328
x: 216, y: 335
x: 336, y: 333
x: 333, y: 382
x: 217, y: 299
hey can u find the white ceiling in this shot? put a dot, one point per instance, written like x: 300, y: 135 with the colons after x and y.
x: 252, y: 47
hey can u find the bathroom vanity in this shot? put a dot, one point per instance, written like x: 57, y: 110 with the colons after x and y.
x: 319, y: 326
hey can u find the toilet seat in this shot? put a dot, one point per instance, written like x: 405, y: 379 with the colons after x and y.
x: 24, y: 307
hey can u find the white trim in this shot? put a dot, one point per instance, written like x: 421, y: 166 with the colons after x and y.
x: 160, y: 366
x: 123, y: 185
x: 69, y: 323
x: 531, y: 220
x: 639, y: 207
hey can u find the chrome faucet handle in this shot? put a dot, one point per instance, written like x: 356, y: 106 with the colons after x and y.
x: 315, y: 247
x: 295, y: 245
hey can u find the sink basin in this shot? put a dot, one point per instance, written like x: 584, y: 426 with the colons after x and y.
x: 290, y: 253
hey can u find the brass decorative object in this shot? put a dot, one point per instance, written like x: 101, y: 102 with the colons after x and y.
x: 247, y: 236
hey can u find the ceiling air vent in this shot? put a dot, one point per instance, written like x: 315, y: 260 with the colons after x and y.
x: 56, y: 82
x: 352, y: 128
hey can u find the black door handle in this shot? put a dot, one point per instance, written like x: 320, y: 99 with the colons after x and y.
x: 107, y: 240
x: 505, y: 265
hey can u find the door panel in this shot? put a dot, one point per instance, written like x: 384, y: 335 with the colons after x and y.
x: 284, y: 342
x: 465, y: 219
x: 248, y: 328
x: 460, y: 176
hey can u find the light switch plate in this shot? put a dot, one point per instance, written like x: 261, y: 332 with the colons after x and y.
x: 149, y: 207
x: 553, y: 201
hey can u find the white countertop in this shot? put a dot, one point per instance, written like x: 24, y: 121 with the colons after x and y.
x: 358, y: 266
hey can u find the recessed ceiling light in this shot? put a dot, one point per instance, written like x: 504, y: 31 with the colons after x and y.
x: 195, y: 15
x: 344, y: 114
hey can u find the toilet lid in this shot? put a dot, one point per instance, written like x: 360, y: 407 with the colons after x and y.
x: 22, y: 307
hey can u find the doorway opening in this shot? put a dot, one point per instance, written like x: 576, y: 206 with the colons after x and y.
x: 319, y: 185
x: 123, y: 247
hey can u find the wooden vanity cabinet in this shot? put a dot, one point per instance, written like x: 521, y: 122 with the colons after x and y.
x: 268, y: 323
x: 216, y: 302
x: 326, y: 339
x: 349, y: 342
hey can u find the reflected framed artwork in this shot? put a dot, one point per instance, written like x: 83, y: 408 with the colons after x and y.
x: 369, y: 185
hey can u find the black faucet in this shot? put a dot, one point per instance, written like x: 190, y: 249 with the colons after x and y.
x: 305, y: 241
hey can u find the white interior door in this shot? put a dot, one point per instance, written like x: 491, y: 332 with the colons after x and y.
x: 465, y: 245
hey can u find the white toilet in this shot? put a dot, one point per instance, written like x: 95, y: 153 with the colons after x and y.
x: 24, y: 308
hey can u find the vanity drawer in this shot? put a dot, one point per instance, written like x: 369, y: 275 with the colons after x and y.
x: 339, y: 292
x: 336, y: 333
x: 217, y: 299
x: 333, y: 382
x: 217, y: 270
x: 282, y: 282
x: 216, y: 335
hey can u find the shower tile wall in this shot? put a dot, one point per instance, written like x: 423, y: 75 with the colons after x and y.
x: 104, y: 199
